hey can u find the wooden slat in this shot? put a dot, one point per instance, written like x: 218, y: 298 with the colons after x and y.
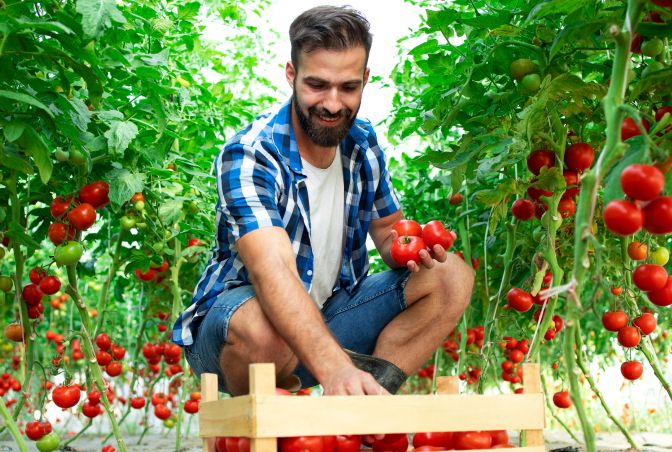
x: 208, y: 394
x: 262, y: 384
x: 532, y: 385
x: 227, y: 417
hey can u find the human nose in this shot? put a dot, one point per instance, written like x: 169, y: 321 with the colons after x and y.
x: 332, y: 101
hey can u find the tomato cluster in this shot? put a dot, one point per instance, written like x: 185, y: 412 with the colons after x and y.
x: 473, y: 343
x: 41, y: 284
x: 109, y: 355
x: 413, y: 238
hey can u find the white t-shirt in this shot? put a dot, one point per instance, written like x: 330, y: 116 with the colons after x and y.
x: 325, y: 196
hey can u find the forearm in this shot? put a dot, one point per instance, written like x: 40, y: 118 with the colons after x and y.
x: 384, y: 251
x: 295, y: 316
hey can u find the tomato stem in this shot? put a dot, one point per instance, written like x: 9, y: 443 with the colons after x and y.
x: 11, y: 425
x: 102, y: 303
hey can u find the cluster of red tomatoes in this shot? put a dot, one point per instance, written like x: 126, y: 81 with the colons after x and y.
x: 8, y: 382
x: 578, y: 157
x: 474, y: 341
x: 109, y: 355
x: 152, y: 273
x: 414, y: 238
x: 629, y: 335
x: 41, y: 431
x: 514, y: 352
x: 41, y: 284
x: 646, y: 209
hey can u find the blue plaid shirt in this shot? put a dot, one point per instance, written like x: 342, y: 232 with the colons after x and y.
x: 260, y: 183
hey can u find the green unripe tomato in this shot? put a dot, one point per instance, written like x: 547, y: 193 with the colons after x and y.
x: 531, y: 83
x: 169, y: 423
x: 6, y: 283
x: 141, y: 225
x: 61, y: 155
x: 521, y: 67
x: 660, y: 256
x: 652, y: 47
x: 139, y: 206
x: 77, y: 157
x: 48, y: 442
x: 127, y: 222
x: 158, y: 247
x: 68, y: 253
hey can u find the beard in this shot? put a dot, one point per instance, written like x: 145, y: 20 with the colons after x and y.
x: 326, y: 136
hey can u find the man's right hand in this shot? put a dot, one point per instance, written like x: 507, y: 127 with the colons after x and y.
x: 352, y: 381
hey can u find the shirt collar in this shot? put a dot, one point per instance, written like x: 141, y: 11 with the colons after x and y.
x: 285, y: 140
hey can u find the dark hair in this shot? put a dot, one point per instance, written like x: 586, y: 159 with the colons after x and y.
x: 331, y: 28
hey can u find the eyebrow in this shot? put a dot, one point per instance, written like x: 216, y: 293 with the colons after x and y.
x: 314, y: 79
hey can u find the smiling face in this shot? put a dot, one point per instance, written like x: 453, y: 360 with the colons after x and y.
x: 327, y: 93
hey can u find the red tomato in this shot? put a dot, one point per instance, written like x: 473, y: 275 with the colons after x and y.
x: 113, y: 369
x: 161, y: 411
x: 658, y: 215
x: 149, y: 275
x: 629, y: 336
x: 50, y: 285
x: 59, y: 206
x: 662, y: 297
x: 35, y: 430
x: 455, y: 199
x: 632, y: 370
x: 82, y: 216
x: 472, y: 440
x: 649, y: 277
x: 623, y: 217
x: 95, y: 193
x: 434, y: 233
x: 536, y: 194
x: 499, y: 437
x: 406, y: 249
x: 58, y: 232
x: 637, y: 251
x: 191, y: 406
x: 300, y: 444
x: 629, y: 128
x: 408, y: 227
x: 429, y: 439
x: 36, y: 274
x: 562, y: 399
x: 103, y: 358
x: 103, y: 341
x: 396, y: 442
x: 614, y: 320
x: 566, y: 207
x: 31, y: 294
x: 93, y: 396
x: 91, y: 410
x: 138, y: 402
x: 662, y: 110
x: 579, y: 157
x: 523, y: 209
x: 118, y: 352
x: 519, y: 300
x: 642, y: 182
x: 108, y: 448
x: 646, y: 323
x: 539, y: 159
x: 66, y: 396
x: 329, y: 443
x: 572, y: 182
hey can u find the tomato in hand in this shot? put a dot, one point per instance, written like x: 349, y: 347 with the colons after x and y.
x: 642, y: 182
x: 406, y: 249
x: 434, y: 233
x: 614, y: 320
x: 658, y: 215
x: 82, y: 217
x: 632, y: 370
x: 579, y: 157
x: 562, y: 399
x: 539, y: 159
x: 522, y: 209
x: 95, y: 193
x: 408, y: 227
x: 623, y: 217
x: 519, y: 300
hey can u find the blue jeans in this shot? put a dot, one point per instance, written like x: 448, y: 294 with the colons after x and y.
x: 355, y: 320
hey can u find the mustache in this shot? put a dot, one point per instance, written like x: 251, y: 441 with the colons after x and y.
x: 345, y: 112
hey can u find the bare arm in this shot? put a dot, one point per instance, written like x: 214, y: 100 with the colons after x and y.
x: 382, y: 234
x: 270, y: 261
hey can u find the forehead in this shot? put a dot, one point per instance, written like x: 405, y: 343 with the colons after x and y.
x: 333, y: 65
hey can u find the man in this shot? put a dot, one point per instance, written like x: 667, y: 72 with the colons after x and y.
x: 299, y: 189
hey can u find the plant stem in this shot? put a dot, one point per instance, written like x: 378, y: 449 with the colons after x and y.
x: 102, y: 303
x: 555, y: 416
x: 582, y: 365
x: 11, y: 426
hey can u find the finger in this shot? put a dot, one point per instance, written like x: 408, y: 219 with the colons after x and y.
x: 439, y: 253
x: 371, y: 387
x: 394, y: 234
x: 426, y: 259
x: 412, y: 266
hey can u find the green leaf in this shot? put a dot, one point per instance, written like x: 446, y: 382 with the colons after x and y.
x: 574, y: 32
x: 170, y: 211
x: 426, y: 47
x: 188, y: 11
x: 16, y: 233
x: 123, y: 185
x: 612, y: 183
x: 120, y: 134
x: 555, y: 7
x: 34, y: 146
x: 11, y: 159
x: 26, y: 99
x: 98, y: 15
x: 13, y: 130
x: 43, y: 26
x: 656, y: 81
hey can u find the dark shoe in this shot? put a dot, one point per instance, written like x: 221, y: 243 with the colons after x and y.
x: 386, y: 374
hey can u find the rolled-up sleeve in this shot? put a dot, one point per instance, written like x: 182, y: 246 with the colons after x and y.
x: 248, y: 184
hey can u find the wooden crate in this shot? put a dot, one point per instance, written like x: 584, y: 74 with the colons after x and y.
x: 264, y: 416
